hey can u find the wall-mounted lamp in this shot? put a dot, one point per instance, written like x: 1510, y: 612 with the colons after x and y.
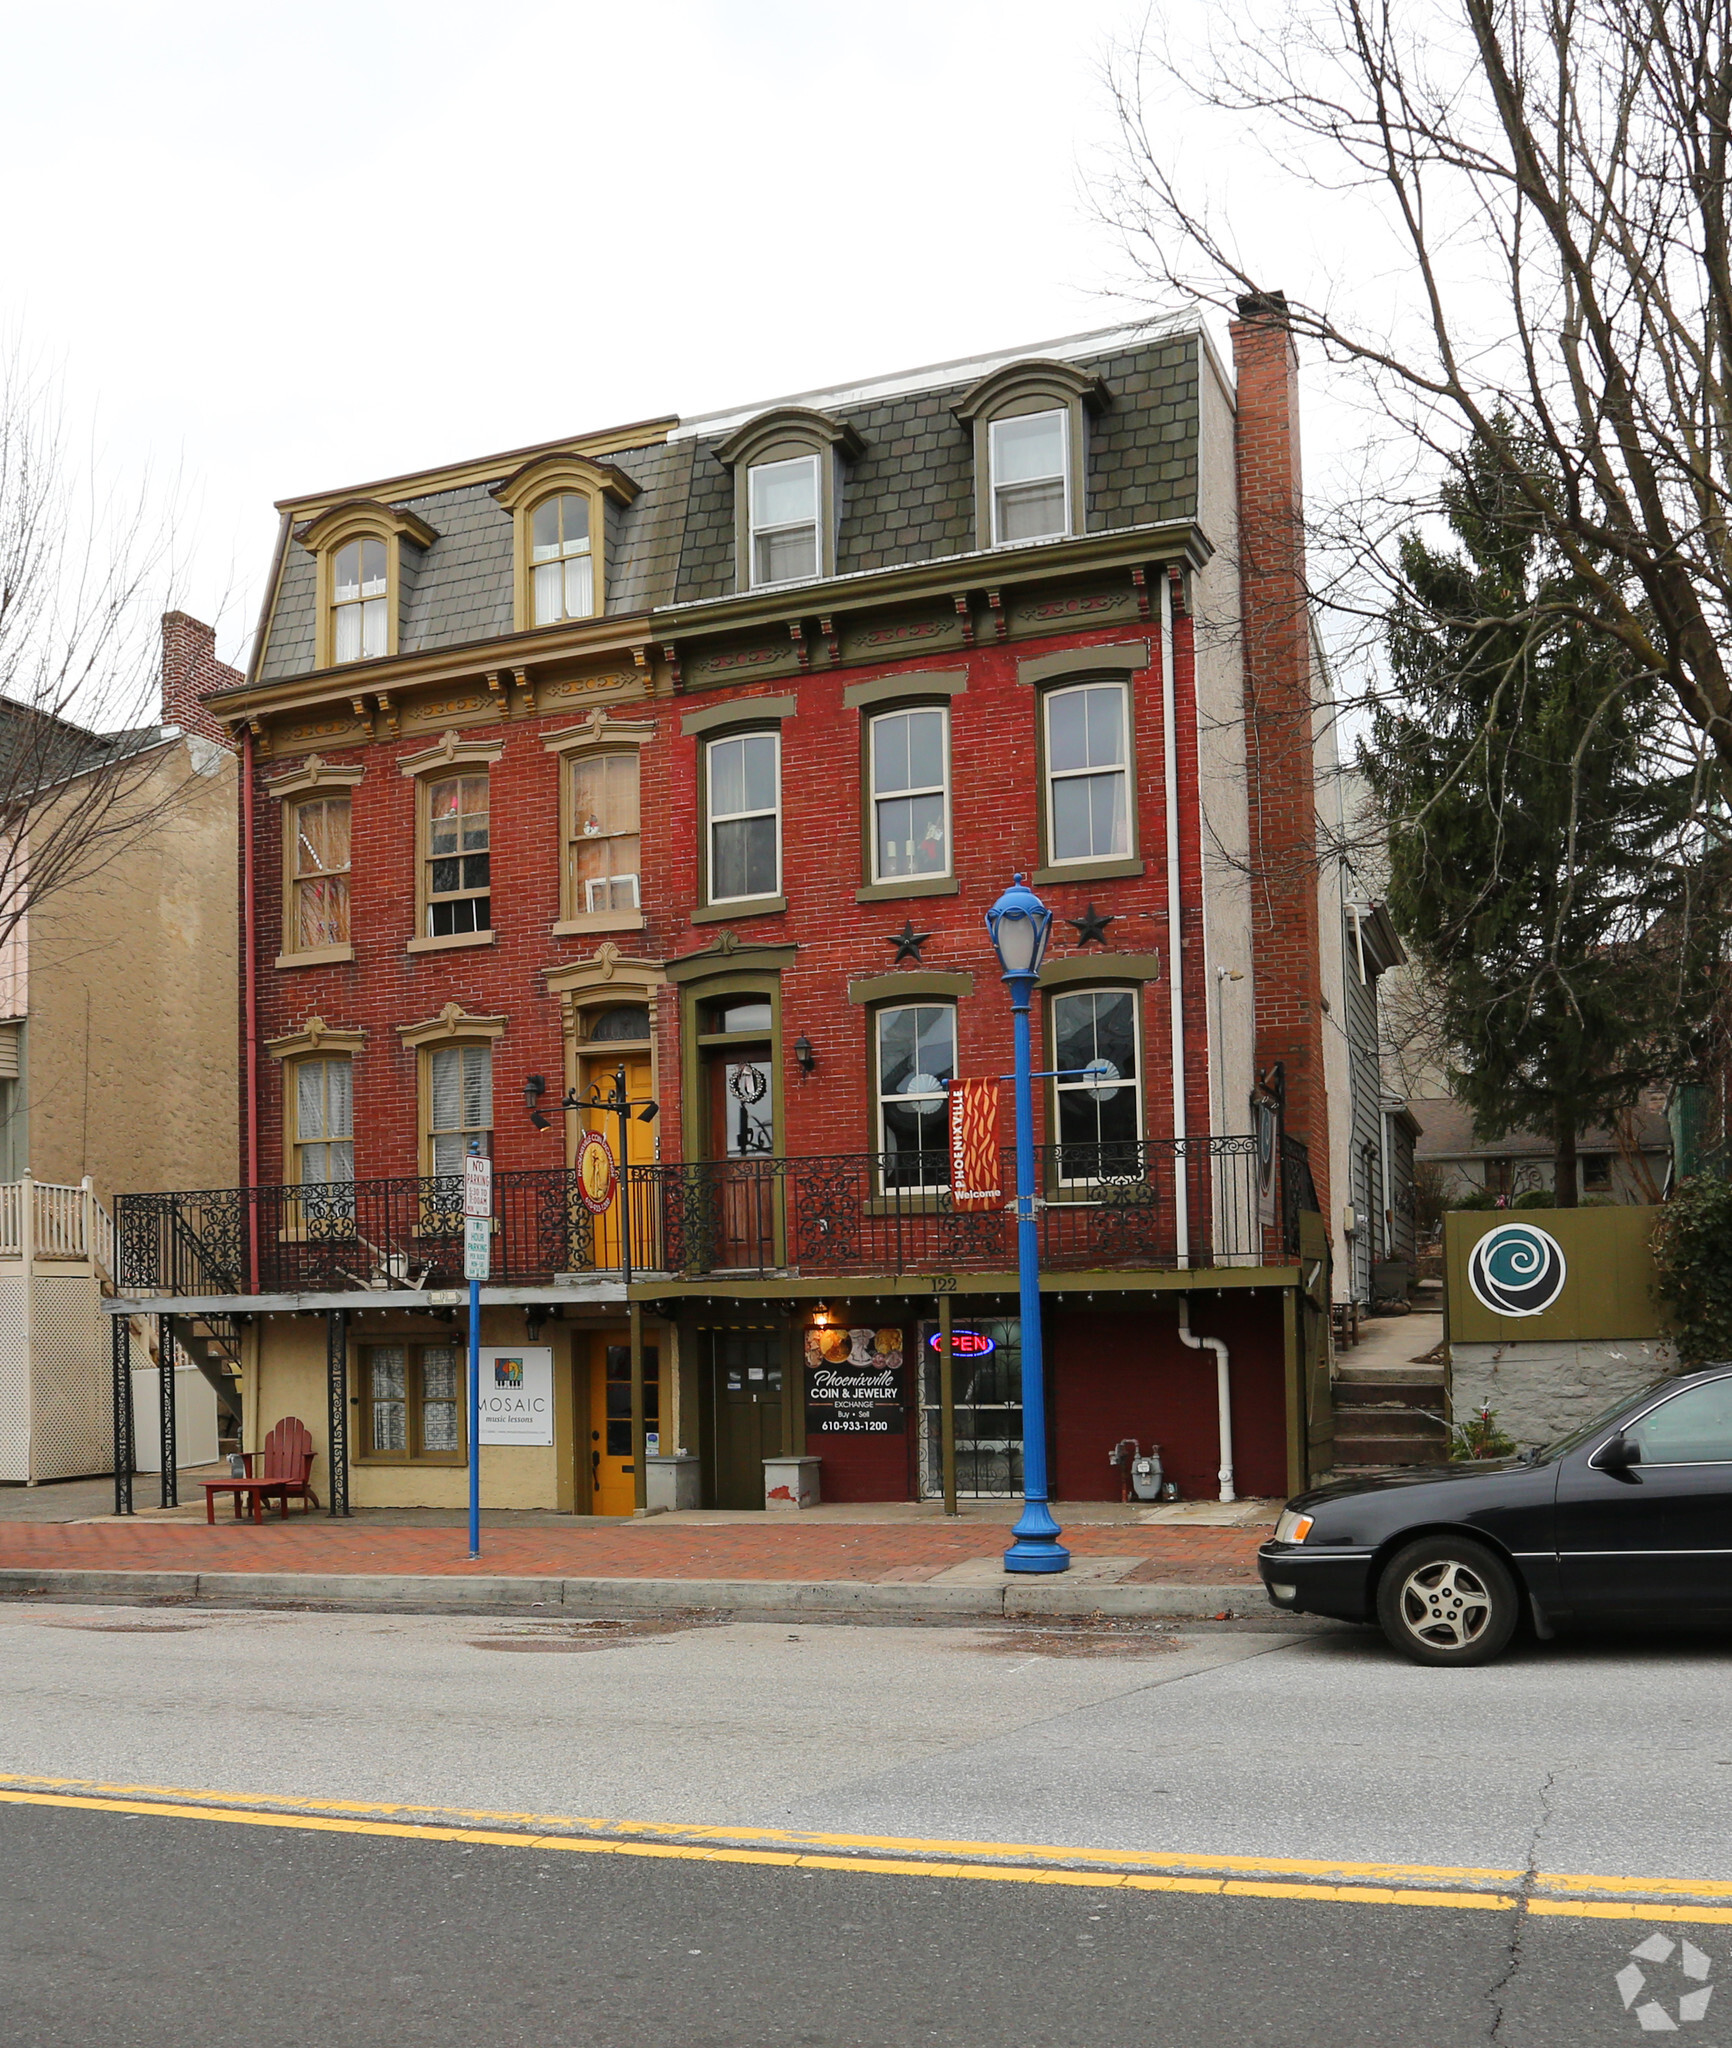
x: 534, y: 1088
x: 649, y: 1112
x: 821, y: 1313
x: 534, y: 1316
x: 804, y: 1054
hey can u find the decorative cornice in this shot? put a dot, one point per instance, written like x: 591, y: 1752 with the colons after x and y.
x: 363, y: 515
x: 547, y: 472
x: 315, y: 1035
x: 452, y: 1022
x: 315, y: 774
x: 451, y: 751
x: 598, y: 730
x: 789, y: 423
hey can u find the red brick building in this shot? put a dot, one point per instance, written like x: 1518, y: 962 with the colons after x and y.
x: 693, y: 752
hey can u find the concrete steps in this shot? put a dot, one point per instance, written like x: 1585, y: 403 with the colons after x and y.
x: 1388, y: 1417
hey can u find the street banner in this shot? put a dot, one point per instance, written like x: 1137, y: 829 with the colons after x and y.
x: 477, y: 1185
x: 974, y: 1175
x: 477, y: 1246
x: 596, y: 1177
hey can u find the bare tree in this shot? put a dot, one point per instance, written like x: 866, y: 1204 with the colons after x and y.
x: 83, y: 580
x: 1553, y: 174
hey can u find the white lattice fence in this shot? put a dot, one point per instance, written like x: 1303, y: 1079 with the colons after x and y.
x: 71, y: 1401
x: 14, y: 1384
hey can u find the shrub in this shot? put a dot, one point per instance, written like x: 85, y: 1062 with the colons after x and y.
x: 1693, y: 1252
x: 1536, y: 1198
x: 1479, y: 1437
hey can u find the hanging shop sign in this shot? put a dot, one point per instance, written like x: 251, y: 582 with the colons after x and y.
x: 596, y: 1176
x: 854, y: 1382
x: 975, y: 1181
x: 964, y: 1343
x: 517, y: 1394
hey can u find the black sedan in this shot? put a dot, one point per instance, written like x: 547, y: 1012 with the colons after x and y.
x: 1629, y: 1517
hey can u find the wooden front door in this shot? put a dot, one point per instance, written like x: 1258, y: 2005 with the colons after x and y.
x: 612, y: 1469
x: 745, y: 1415
x: 597, y: 1071
x: 742, y: 1140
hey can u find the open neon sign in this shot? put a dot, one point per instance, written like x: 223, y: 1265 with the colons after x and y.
x: 965, y: 1343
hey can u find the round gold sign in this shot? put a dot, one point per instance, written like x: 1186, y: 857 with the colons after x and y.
x: 596, y: 1178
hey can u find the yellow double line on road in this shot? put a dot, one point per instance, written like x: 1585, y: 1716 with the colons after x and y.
x: 1311, y: 1881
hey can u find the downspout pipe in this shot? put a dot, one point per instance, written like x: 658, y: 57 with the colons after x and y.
x: 250, y: 982
x: 1175, y: 951
x: 1223, y: 1391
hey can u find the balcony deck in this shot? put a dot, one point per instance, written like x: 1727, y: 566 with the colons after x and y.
x: 1105, y: 1209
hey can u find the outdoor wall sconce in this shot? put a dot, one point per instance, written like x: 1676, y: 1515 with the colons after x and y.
x: 804, y: 1054
x: 534, y: 1088
x: 535, y: 1316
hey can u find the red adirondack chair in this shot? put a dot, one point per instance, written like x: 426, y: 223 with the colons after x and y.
x: 279, y: 1472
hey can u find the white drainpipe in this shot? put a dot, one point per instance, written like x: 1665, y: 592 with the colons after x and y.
x: 1175, y: 955
x: 1223, y: 1391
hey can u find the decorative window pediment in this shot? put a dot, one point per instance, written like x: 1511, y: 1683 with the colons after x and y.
x: 315, y: 775
x: 359, y: 546
x: 453, y: 1022
x: 316, y: 1036
x: 563, y: 507
x: 1029, y: 422
x: 787, y: 466
x: 450, y: 751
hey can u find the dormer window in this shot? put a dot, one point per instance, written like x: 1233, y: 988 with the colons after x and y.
x: 359, y: 628
x: 787, y: 466
x: 562, y: 569
x: 784, y: 512
x: 1030, y: 477
x: 1029, y: 422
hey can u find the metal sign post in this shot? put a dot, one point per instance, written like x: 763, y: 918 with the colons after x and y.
x: 477, y: 1255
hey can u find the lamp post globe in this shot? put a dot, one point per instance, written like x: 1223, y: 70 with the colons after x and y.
x: 1019, y: 924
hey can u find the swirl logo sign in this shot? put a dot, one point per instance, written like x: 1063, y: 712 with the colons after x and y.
x: 1517, y: 1270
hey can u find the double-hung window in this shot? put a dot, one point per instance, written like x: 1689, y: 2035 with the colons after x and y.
x: 412, y: 1401
x: 910, y: 753
x: 324, y: 1121
x: 605, y: 841
x: 459, y: 1102
x: 783, y: 498
x: 321, y: 873
x: 745, y: 816
x: 562, y: 568
x: 458, y: 898
x: 1030, y: 476
x: 358, y: 595
x: 1098, y: 1085
x: 1088, y: 773
x: 916, y: 1060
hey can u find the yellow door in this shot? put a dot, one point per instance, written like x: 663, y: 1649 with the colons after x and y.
x: 612, y: 1472
x: 640, y: 1143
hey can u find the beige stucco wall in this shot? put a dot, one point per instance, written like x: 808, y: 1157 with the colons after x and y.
x: 131, y: 1048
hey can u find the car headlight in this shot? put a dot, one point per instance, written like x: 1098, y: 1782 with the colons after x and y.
x: 1292, y: 1527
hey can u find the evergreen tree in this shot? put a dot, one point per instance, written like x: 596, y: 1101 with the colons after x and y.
x: 1552, y: 864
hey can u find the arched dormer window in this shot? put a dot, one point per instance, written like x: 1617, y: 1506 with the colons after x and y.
x: 565, y: 508
x: 1030, y: 426
x: 359, y: 549
x: 787, y: 467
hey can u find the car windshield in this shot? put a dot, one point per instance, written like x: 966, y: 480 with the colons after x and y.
x: 1598, y: 1422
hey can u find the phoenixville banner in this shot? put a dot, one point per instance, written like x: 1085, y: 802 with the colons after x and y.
x: 974, y: 1174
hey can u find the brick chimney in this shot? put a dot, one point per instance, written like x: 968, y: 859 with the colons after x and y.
x: 1279, y: 704
x: 190, y: 671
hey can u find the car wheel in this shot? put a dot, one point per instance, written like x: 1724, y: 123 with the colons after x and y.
x: 1448, y: 1600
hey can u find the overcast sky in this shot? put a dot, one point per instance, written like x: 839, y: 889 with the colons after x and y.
x: 277, y: 250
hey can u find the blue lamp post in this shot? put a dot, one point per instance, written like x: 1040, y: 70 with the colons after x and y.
x: 1019, y: 923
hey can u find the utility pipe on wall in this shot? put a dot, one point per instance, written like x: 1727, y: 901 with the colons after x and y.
x: 250, y: 974
x: 1175, y: 954
x: 1223, y: 1391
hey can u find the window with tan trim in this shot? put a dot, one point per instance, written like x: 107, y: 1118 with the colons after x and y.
x: 324, y: 1120
x: 359, y: 631
x: 604, y: 853
x: 458, y: 887
x: 319, y: 873
x: 459, y: 1103
x: 562, y: 566
x: 412, y: 1403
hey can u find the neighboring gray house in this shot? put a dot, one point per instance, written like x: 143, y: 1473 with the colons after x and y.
x: 1627, y: 1165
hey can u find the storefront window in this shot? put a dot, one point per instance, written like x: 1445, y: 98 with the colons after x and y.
x: 988, y: 1393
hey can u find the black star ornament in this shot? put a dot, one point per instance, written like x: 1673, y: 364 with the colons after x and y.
x: 907, y: 942
x: 1091, y: 927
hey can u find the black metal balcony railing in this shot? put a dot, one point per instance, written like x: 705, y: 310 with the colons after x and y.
x: 1101, y: 1207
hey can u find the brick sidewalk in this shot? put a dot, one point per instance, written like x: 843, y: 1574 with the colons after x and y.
x: 733, y: 1550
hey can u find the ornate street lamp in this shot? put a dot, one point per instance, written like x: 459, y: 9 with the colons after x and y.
x: 1019, y: 923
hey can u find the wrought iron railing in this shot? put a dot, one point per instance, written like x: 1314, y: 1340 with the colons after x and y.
x: 1100, y: 1207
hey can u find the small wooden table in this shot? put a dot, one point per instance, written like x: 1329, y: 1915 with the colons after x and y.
x: 257, y: 1490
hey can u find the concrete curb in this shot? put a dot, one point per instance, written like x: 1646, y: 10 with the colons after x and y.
x: 745, y: 1599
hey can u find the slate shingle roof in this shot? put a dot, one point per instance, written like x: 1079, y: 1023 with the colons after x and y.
x: 908, y: 497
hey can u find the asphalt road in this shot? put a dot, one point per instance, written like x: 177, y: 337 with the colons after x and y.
x: 147, y: 1927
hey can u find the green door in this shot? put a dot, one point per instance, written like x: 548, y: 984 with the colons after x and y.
x: 745, y: 1415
